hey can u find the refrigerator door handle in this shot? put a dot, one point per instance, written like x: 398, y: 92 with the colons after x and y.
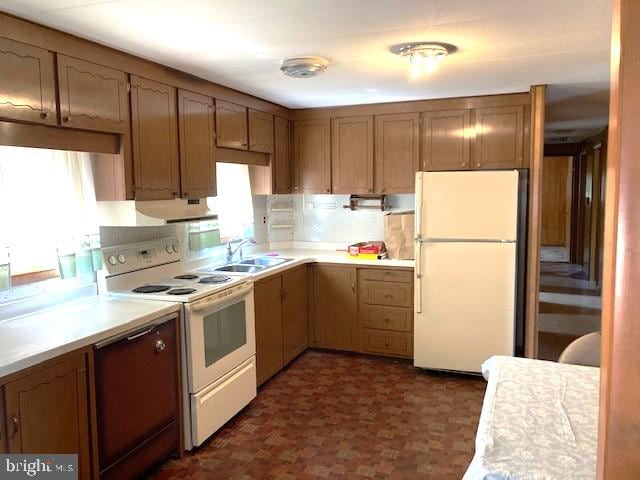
x: 418, y: 216
x: 418, y: 280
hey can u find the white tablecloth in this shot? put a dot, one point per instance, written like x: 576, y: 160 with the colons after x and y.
x: 539, y: 421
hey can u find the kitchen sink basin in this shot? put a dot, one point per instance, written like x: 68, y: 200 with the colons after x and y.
x: 265, y: 261
x: 238, y: 268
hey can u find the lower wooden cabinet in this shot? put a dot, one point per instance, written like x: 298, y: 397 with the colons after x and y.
x: 268, y: 305
x: 281, y: 321
x: 335, y: 307
x: 294, y: 313
x: 46, y: 410
x: 385, y: 311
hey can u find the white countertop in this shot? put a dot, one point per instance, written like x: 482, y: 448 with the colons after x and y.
x: 31, y: 339
x: 301, y: 256
x: 306, y: 252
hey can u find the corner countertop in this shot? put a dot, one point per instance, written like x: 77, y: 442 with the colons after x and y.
x: 31, y: 339
x: 302, y: 253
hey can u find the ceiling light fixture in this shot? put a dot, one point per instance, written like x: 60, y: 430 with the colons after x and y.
x: 424, y: 56
x: 304, y: 67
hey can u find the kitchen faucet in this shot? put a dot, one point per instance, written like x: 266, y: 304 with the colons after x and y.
x: 232, y: 251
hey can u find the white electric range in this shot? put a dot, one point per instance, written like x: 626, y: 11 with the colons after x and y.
x: 218, y: 327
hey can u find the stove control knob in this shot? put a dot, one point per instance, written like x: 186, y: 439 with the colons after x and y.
x: 169, y: 250
x: 174, y: 247
x: 121, y: 258
x: 112, y: 260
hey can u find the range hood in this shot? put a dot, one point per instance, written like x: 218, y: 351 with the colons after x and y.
x: 132, y: 213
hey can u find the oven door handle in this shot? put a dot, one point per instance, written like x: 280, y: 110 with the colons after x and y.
x: 207, y: 302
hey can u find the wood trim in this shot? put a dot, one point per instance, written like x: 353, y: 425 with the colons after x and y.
x: 37, y: 35
x: 245, y: 157
x: 459, y: 103
x: 619, y: 422
x: 42, y: 136
x: 24, y: 278
x: 535, y: 209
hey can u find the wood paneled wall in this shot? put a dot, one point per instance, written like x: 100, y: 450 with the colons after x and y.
x: 534, y: 233
x: 619, y: 429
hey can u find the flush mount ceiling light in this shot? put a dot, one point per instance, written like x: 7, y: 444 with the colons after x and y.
x: 304, y: 67
x: 424, y: 56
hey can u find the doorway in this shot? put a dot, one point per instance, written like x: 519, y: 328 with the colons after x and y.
x: 572, y: 214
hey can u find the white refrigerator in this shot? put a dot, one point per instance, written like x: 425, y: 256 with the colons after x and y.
x: 467, y: 267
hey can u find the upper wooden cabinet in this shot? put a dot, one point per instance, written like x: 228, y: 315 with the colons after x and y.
x: 397, y: 152
x: 352, y: 155
x: 268, y: 307
x: 499, y: 137
x: 47, y: 410
x: 92, y: 97
x: 334, y: 307
x: 155, y: 139
x: 312, y: 156
x: 27, y: 83
x: 231, y: 123
x: 281, y: 166
x: 445, y: 139
x: 197, y: 145
x: 260, y: 131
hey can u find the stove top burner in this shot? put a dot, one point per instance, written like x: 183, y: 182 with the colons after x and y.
x: 215, y: 279
x: 181, y: 291
x: 151, y: 289
x: 187, y: 276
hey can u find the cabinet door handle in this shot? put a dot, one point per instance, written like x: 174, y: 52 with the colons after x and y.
x: 160, y: 345
x: 15, y: 421
x: 353, y: 287
x: 66, y: 119
x: 44, y: 115
x: 139, y: 334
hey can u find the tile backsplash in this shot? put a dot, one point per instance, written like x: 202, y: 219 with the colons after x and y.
x: 321, y: 218
x: 278, y: 218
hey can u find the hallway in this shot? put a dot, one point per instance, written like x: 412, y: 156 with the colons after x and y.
x: 569, y: 307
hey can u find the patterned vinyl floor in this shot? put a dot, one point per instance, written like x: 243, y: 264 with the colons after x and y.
x: 340, y: 416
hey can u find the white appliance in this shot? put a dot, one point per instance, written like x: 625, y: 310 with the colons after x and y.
x: 217, y: 328
x: 467, y: 275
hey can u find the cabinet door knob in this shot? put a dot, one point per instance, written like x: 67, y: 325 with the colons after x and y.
x: 66, y: 119
x: 15, y: 421
x: 160, y: 345
x: 328, y: 190
x: 386, y: 320
x: 353, y: 287
x: 44, y: 115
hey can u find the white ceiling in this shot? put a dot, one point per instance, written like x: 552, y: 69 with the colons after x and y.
x: 504, y: 45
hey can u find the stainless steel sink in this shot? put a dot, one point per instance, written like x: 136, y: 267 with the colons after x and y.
x: 266, y: 261
x: 237, y: 268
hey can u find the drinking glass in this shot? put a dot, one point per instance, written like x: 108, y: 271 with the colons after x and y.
x: 5, y: 269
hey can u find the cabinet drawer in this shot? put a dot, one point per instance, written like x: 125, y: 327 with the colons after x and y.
x: 389, y: 343
x: 387, y: 318
x: 386, y: 275
x: 387, y: 293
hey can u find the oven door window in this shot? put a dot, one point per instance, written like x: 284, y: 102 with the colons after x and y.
x: 224, y: 332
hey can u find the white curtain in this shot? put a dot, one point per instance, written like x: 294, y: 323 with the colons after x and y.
x: 234, y: 202
x: 46, y: 196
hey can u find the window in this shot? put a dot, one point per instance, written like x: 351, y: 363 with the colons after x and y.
x: 233, y: 203
x: 48, y: 216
